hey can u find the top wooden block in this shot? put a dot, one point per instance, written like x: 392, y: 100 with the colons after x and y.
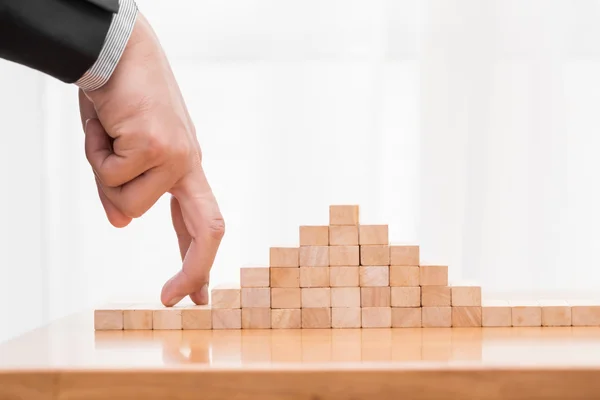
x: 404, y: 255
x: 343, y: 215
x: 433, y: 275
x: 314, y: 235
x: 284, y: 257
x: 373, y: 234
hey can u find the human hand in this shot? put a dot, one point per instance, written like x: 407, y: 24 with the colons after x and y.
x: 141, y: 144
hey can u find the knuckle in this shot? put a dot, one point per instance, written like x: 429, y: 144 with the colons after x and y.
x: 216, y: 228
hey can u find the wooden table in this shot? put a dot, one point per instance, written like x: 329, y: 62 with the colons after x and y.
x: 68, y: 360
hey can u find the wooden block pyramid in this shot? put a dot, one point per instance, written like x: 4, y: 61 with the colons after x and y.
x: 347, y: 275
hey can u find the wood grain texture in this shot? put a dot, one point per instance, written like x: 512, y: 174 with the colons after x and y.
x: 405, y: 255
x: 405, y: 296
x: 226, y: 296
x: 465, y: 317
x: 436, y: 296
x: 496, y: 313
x: 254, y: 277
x: 468, y: 296
x: 347, y: 297
x: 287, y: 318
x: 343, y: 235
x: 373, y: 234
x: 313, y: 235
x: 375, y: 297
x: 314, y: 256
x: 137, y: 319
x: 433, y: 275
x: 196, y: 317
x: 316, y: 318
x: 555, y: 313
x: 376, y: 317
x: 169, y: 318
x: 436, y: 317
x: 404, y: 276
x: 406, y: 317
x: 375, y: 255
x: 256, y: 298
x: 284, y: 257
x: 227, y: 318
x: 286, y: 298
x: 344, y: 255
x: 526, y: 313
x: 374, y: 275
x: 360, y: 383
x: 343, y: 276
x: 314, y: 277
x: 108, y: 319
x: 285, y: 277
x: 256, y: 318
x: 344, y: 214
x: 316, y: 297
x: 346, y: 317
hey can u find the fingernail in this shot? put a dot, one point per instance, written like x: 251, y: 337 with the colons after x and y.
x: 175, y: 300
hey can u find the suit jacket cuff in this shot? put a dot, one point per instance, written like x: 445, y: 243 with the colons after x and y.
x: 116, y: 40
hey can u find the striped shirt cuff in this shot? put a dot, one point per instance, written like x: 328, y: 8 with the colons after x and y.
x: 114, y: 45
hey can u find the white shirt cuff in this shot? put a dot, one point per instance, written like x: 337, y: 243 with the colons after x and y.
x: 116, y: 40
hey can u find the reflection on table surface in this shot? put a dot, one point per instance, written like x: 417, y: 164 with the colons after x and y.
x: 72, y: 343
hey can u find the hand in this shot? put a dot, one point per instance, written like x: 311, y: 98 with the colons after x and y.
x: 141, y: 144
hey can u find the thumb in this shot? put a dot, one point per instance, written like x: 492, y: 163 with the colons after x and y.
x: 96, y: 139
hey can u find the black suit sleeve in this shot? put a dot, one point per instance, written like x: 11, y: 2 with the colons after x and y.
x: 61, y: 38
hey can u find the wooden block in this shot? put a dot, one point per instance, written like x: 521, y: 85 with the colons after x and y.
x: 343, y: 235
x: 555, y: 313
x: 108, y: 318
x: 196, y: 317
x: 375, y: 255
x: 284, y: 257
x: 346, y: 317
x: 468, y: 296
x: 376, y: 317
x: 344, y: 255
x: 343, y: 276
x: 285, y: 277
x: 168, y: 318
x: 345, y: 297
x: 585, y: 312
x: 404, y: 276
x: 316, y: 297
x: 286, y: 318
x: 436, y: 317
x: 256, y: 318
x: 314, y: 235
x: 404, y: 255
x: 226, y: 296
x: 227, y: 318
x: 526, y: 313
x: 138, y: 318
x: 436, y: 296
x: 433, y: 275
x: 406, y: 296
x: 375, y: 297
x: 373, y: 234
x: 343, y: 215
x: 374, y: 276
x: 287, y: 298
x: 403, y: 317
x: 496, y: 313
x: 466, y: 316
x: 314, y: 256
x: 314, y: 276
x: 254, y: 277
x: 316, y: 318
x: 256, y: 298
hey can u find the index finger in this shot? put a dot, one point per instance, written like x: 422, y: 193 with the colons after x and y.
x: 206, y: 228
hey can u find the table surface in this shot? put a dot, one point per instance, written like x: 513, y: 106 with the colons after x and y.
x: 68, y: 359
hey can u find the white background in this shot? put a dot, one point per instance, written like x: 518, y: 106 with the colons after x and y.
x: 469, y: 126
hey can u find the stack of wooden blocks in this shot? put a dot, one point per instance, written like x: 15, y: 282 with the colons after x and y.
x: 347, y: 275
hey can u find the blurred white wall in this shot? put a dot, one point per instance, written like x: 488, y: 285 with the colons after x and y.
x: 467, y: 125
